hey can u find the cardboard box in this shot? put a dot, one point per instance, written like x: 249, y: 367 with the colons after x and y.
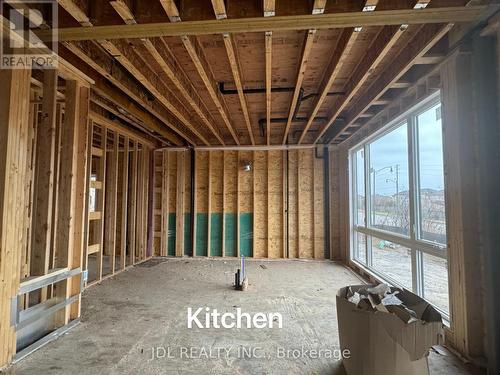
x: 385, y: 343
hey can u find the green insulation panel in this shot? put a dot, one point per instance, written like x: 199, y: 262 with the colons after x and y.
x: 188, y: 243
x: 201, y: 234
x: 171, y: 233
x: 230, y: 235
x: 216, y: 235
x: 246, y: 234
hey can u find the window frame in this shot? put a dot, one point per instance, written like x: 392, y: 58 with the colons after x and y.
x: 413, y: 241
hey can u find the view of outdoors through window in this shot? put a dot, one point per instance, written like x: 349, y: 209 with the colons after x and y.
x: 391, y: 233
x: 431, y: 176
x: 389, y: 182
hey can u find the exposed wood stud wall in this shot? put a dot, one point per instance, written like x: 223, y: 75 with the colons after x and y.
x: 14, y: 109
x: 121, y: 201
x: 244, y: 212
x: 44, y: 179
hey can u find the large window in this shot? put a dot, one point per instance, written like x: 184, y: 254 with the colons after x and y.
x: 397, y: 199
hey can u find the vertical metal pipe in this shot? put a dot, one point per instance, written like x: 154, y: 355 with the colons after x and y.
x: 193, y: 193
x: 287, y: 203
x: 326, y: 192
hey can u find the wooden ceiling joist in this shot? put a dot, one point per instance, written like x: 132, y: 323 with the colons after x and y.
x: 117, y: 126
x: 219, y: 9
x: 232, y: 56
x: 97, y: 60
x: 343, y: 48
x: 235, y: 69
x: 306, y: 49
x: 279, y: 23
x: 125, y: 55
x: 161, y: 53
x: 420, y: 44
x: 199, y: 60
x: 344, y: 45
x: 375, y: 54
x: 377, y: 51
x: 269, y: 11
x: 318, y: 8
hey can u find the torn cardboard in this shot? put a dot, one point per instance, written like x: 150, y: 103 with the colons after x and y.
x: 383, y: 336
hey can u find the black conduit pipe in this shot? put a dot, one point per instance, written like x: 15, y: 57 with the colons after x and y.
x: 225, y: 91
x: 287, y: 204
x: 326, y: 192
x: 193, y: 214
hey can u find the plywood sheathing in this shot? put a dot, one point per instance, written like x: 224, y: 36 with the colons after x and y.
x: 242, y: 212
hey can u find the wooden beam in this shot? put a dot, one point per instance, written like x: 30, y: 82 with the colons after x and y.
x: 132, y: 211
x: 139, y: 68
x: 281, y: 23
x: 268, y: 203
x: 102, y: 176
x: 164, y: 202
x: 423, y: 41
x: 167, y: 61
x: 100, y: 66
x: 111, y: 204
x: 343, y: 48
x: 74, y: 9
x: 14, y: 110
x: 133, y: 125
x: 132, y: 61
x: 44, y: 178
x: 269, y: 53
x: 179, y: 230
x: 95, y: 215
x: 124, y: 220
x: 269, y: 11
x: 235, y: 69
x: 307, y: 46
x: 195, y: 51
x: 232, y: 56
x: 270, y: 8
x: 140, y: 225
x: 219, y: 9
x: 318, y: 8
x: 66, y: 208
x: 123, y: 10
x: 163, y: 56
x: 383, y: 43
x: 117, y: 127
x: 55, y: 192
x: 344, y: 45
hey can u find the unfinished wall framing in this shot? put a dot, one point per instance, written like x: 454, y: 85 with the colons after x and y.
x: 169, y: 131
x: 239, y: 212
x: 119, y: 178
x: 49, y: 135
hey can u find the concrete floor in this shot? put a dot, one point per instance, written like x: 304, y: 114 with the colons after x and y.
x: 143, y: 308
